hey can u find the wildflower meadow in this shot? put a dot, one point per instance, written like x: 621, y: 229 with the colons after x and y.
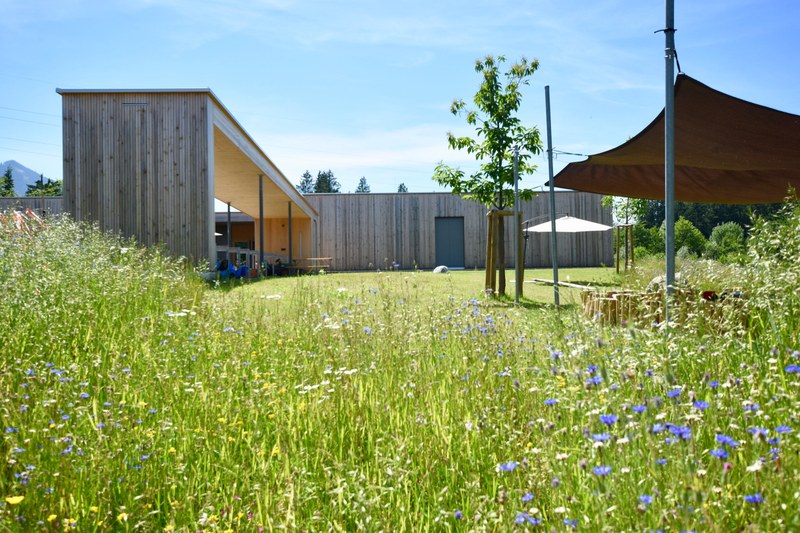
x: 133, y: 396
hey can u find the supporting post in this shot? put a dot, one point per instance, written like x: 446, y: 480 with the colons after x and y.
x: 261, y: 269
x: 290, y: 233
x: 489, y: 251
x: 553, y: 242
x: 517, y: 230
x: 669, y: 152
x: 520, y: 256
x: 229, y: 239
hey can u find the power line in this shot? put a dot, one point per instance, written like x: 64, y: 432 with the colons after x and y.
x: 26, y: 141
x: 28, y: 152
x: 31, y: 121
x: 31, y: 112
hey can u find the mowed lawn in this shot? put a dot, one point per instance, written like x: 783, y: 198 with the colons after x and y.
x: 145, y: 400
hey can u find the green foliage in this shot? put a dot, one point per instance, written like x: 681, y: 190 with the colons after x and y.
x: 706, y: 217
x: 625, y: 210
x: 687, y: 236
x: 7, y: 183
x: 306, y: 184
x: 363, y: 187
x: 326, y: 182
x: 774, y: 273
x: 726, y: 243
x: 647, y: 241
x: 402, y: 188
x: 135, y: 398
x: 44, y: 188
x: 498, y: 130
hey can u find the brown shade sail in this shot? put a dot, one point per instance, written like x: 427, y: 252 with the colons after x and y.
x: 727, y: 151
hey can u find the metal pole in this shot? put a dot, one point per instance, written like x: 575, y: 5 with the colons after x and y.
x: 669, y: 152
x: 517, y: 250
x: 553, y: 243
x: 261, y: 270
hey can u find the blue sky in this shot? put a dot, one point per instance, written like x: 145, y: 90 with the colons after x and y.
x: 363, y: 87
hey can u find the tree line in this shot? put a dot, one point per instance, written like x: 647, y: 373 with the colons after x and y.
x: 41, y: 187
x: 326, y: 182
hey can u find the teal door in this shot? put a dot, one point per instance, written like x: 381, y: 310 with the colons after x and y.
x: 450, y: 242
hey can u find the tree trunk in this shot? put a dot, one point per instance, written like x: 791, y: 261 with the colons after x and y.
x: 501, y: 255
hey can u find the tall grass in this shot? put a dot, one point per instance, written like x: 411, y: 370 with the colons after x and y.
x: 134, y: 398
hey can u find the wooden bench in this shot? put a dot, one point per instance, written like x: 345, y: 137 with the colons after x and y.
x: 313, y: 264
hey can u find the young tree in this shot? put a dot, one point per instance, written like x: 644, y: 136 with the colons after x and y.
x: 362, y: 185
x: 306, y: 184
x: 402, y: 188
x: 326, y: 182
x: 44, y: 188
x: 7, y: 183
x: 498, y: 131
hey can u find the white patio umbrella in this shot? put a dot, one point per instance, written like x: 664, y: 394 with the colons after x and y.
x: 568, y: 224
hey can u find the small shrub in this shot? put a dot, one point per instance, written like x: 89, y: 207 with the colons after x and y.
x: 726, y: 243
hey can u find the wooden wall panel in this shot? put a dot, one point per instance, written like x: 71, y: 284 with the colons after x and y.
x: 137, y: 163
x: 369, y: 231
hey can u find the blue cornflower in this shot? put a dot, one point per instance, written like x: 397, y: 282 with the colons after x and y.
x: 550, y: 401
x: 601, y: 470
x: 639, y: 408
x: 601, y: 437
x: 30, y: 372
x: 719, y: 453
x: 645, y: 499
x: 725, y: 439
x: 759, y: 432
x: 684, y: 432
x: 458, y: 515
x: 571, y: 523
x: 84, y: 395
x: 700, y: 404
x: 661, y: 461
x: 525, y: 517
x: 64, y: 417
x: 368, y: 330
x: 509, y: 466
x: 595, y: 380
x: 592, y: 369
x: 783, y: 429
x: 658, y: 427
x: 12, y: 430
x: 752, y: 407
x: 713, y: 384
x: 792, y: 369
x: 673, y: 393
x: 754, y: 498
x: 608, y: 419
x: 527, y: 497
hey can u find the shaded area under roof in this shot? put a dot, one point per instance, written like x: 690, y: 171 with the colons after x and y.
x: 727, y: 151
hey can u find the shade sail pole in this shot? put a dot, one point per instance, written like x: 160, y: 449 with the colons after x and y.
x: 553, y: 244
x: 669, y: 152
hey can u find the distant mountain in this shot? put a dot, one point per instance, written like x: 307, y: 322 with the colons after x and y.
x: 23, y: 176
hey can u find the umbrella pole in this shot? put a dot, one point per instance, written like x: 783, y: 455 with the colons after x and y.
x: 669, y: 153
x: 553, y: 244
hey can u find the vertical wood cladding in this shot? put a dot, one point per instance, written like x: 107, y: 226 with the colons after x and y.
x: 370, y: 231
x: 137, y: 163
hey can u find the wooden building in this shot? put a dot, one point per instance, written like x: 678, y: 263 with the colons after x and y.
x: 424, y: 230
x: 149, y: 163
